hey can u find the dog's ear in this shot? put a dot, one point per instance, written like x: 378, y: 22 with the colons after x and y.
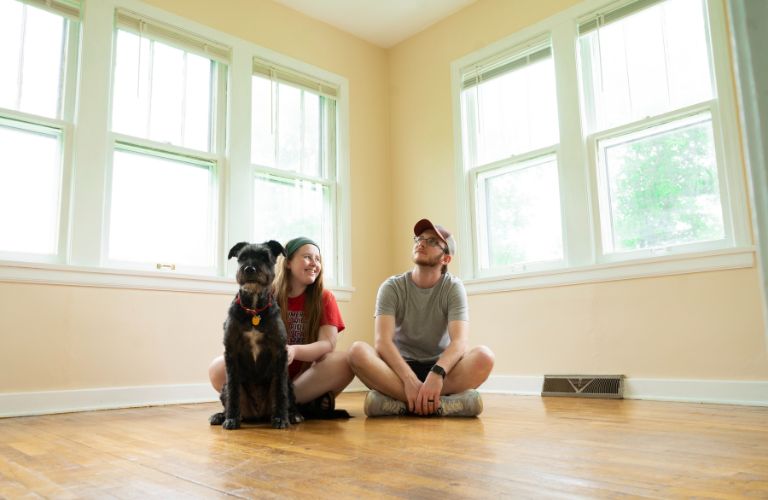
x: 236, y: 249
x: 275, y: 247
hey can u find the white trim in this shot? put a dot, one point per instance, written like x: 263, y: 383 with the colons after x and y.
x: 732, y: 392
x: 57, y: 274
x: 53, y: 274
x: 42, y: 403
x: 660, y: 266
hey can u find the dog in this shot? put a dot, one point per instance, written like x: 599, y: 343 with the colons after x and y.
x: 255, y: 344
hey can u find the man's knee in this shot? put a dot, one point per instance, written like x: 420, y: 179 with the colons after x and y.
x: 359, y: 353
x: 483, y: 359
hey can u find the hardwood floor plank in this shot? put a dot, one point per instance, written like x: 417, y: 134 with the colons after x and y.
x: 521, y: 447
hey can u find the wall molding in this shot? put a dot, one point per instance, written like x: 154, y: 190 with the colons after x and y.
x: 733, y: 392
x: 105, y: 398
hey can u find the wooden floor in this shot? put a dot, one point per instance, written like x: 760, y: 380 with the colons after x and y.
x: 521, y: 447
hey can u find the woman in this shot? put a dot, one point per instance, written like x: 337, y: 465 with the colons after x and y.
x: 313, y: 323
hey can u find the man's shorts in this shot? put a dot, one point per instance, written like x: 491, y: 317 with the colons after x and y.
x: 420, y: 369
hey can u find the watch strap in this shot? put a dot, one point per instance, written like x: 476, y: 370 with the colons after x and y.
x: 438, y: 369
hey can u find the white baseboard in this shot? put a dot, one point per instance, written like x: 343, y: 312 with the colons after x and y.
x: 106, y: 398
x: 732, y: 392
x: 735, y: 392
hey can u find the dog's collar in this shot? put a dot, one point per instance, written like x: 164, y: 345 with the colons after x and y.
x: 254, y: 312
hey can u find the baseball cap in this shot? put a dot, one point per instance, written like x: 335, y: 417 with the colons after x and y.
x: 442, y: 233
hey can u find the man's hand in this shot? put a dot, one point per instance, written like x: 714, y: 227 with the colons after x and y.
x: 412, y: 387
x: 428, y: 400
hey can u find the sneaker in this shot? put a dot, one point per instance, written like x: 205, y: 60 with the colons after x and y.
x: 380, y: 405
x: 464, y: 404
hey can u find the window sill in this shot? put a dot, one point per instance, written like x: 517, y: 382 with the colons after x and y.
x: 57, y: 274
x: 659, y: 266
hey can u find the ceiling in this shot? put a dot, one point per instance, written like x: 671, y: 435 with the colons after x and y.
x: 382, y: 22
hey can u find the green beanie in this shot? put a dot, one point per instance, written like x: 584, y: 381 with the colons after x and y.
x: 297, y: 243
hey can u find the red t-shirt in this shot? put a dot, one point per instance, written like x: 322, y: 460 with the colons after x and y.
x: 295, y: 326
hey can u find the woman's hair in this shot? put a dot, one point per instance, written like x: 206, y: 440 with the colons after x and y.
x: 313, y: 302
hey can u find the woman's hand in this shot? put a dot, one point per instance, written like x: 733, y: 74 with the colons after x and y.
x: 291, y: 353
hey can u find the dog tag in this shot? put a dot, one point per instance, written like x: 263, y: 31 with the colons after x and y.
x: 256, y: 320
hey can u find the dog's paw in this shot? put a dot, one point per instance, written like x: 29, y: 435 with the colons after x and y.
x: 279, y: 422
x: 231, y: 423
x: 216, y: 418
x: 296, y: 418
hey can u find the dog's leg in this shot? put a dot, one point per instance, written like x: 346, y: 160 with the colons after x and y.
x: 232, y: 406
x: 280, y: 392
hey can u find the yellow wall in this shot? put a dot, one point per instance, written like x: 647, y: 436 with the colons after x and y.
x: 699, y: 326
x: 695, y: 326
x: 66, y: 337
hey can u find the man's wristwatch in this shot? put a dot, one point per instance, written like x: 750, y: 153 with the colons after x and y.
x: 438, y: 369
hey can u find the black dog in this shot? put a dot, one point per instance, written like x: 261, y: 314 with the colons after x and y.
x: 254, y: 344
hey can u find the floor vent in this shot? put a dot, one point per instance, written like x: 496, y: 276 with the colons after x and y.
x: 585, y: 386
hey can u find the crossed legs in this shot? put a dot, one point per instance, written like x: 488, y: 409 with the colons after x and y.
x: 471, y: 371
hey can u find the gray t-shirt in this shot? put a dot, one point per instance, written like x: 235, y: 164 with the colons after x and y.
x: 422, y: 314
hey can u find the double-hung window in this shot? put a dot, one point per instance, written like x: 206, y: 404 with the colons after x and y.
x: 651, y: 115
x: 510, y: 139
x: 601, y: 143
x: 38, y: 52
x: 168, y: 108
x: 294, y: 159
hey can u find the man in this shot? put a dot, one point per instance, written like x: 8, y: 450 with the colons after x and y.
x: 421, y: 362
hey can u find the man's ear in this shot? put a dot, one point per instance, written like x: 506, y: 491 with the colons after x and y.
x: 447, y: 258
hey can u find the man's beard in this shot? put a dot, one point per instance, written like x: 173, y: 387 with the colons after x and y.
x: 421, y: 259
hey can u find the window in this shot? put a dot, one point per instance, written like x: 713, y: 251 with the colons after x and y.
x: 164, y: 182
x: 167, y: 165
x: 510, y: 131
x: 601, y: 144
x: 647, y: 86
x: 37, y: 44
x: 293, y: 153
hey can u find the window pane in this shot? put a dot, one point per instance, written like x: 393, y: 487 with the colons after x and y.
x: 162, y: 211
x: 285, y: 209
x: 162, y: 93
x: 646, y: 64
x: 521, y: 214
x: 287, y: 127
x: 511, y: 114
x: 31, y: 55
x: 662, y: 186
x: 30, y: 185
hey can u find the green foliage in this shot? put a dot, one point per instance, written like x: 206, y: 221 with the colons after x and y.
x: 664, y: 190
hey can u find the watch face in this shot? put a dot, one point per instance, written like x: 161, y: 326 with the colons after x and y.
x: 438, y: 369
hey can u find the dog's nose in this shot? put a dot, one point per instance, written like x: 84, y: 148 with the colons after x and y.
x: 249, y: 269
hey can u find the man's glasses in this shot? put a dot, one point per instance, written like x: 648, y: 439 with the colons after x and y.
x: 433, y: 242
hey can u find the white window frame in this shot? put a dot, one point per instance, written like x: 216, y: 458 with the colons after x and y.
x: 62, y: 124
x: 576, y: 154
x: 332, y: 179
x: 216, y: 154
x: 512, y: 54
x: 87, y: 159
